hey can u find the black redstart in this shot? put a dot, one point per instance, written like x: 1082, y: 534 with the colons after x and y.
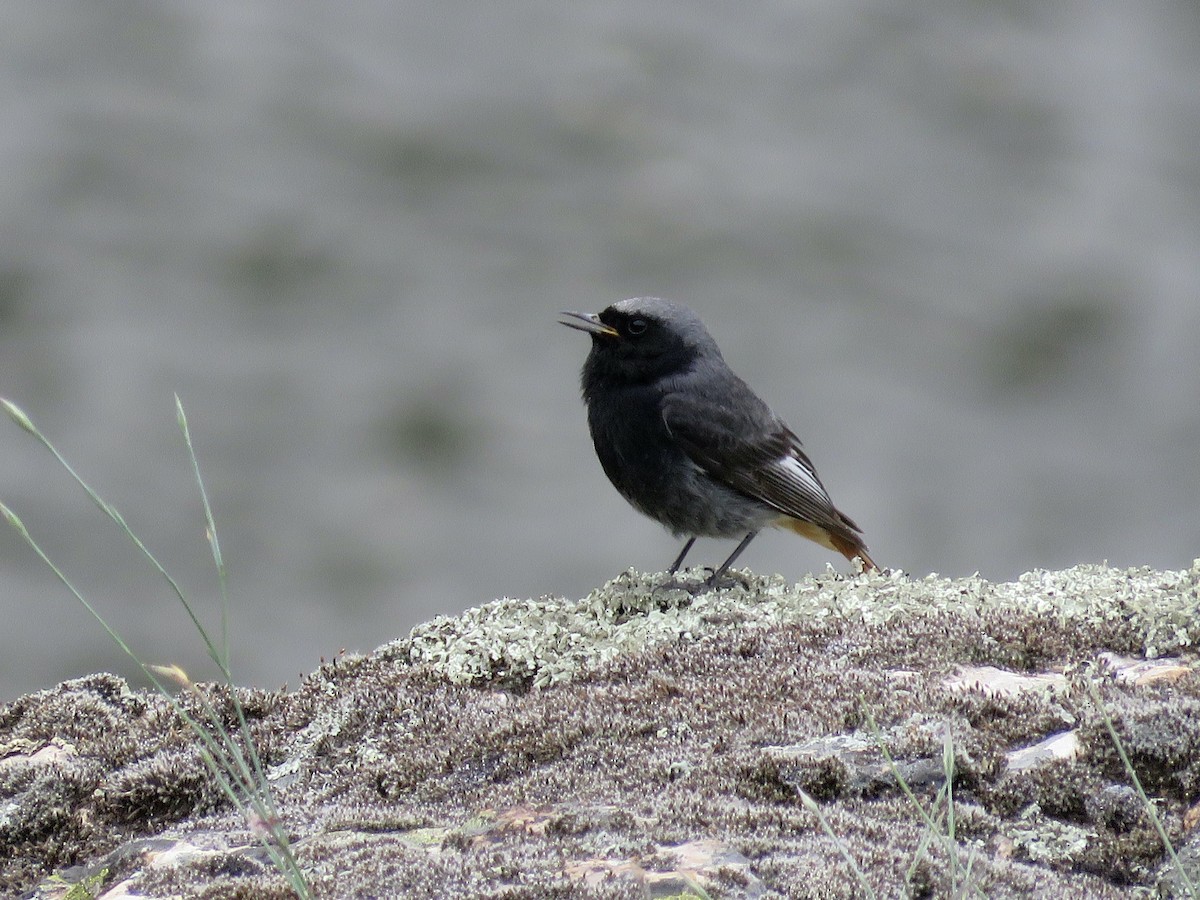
x: 688, y: 443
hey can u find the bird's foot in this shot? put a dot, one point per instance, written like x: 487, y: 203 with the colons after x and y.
x: 715, y: 581
x: 724, y: 580
x: 674, y: 583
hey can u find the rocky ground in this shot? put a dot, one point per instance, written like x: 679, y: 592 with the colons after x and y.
x: 844, y: 736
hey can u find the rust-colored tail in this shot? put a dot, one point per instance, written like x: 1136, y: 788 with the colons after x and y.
x: 852, y: 549
x: 846, y: 542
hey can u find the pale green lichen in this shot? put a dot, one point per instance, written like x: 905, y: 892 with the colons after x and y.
x: 547, y: 641
x: 1045, y: 840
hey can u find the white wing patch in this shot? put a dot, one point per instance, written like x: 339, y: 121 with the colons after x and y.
x: 796, y: 472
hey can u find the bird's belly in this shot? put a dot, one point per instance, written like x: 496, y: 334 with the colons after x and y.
x: 660, y: 481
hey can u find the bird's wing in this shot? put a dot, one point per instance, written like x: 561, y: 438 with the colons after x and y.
x: 745, y: 446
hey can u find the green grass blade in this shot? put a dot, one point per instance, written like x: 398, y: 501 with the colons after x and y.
x: 945, y: 839
x: 19, y: 416
x: 244, y: 783
x: 1190, y: 885
x: 20, y: 528
x: 213, y: 541
x: 218, y: 560
x: 811, y: 805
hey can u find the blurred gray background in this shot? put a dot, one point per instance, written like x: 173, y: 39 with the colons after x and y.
x: 954, y: 245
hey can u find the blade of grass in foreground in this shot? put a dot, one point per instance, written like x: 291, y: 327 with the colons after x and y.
x: 211, y: 532
x: 945, y: 837
x: 259, y: 776
x: 1184, y: 877
x: 242, y: 781
x: 813, y: 807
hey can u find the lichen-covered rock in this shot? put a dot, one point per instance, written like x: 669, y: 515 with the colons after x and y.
x: 762, y: 741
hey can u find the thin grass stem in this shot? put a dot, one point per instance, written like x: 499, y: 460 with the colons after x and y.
x: 812, y: 806
x: 945, y: 839
x: 211, y: 532
x: 244, y: 783
x: 1190, y: 885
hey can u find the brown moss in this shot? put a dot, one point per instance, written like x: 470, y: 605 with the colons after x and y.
x: 414, y: 771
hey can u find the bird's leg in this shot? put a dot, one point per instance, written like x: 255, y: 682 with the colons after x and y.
x: 724, y: 567
x: 682, y: 553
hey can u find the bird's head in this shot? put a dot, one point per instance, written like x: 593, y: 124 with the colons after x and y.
x: 641, y: 339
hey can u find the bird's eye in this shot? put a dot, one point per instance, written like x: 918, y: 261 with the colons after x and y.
x: 637, y: 326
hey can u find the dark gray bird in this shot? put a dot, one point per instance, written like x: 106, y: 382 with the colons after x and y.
x: 688, y: 443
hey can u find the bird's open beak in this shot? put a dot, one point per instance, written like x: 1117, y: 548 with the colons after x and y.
x: 589, y: 322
